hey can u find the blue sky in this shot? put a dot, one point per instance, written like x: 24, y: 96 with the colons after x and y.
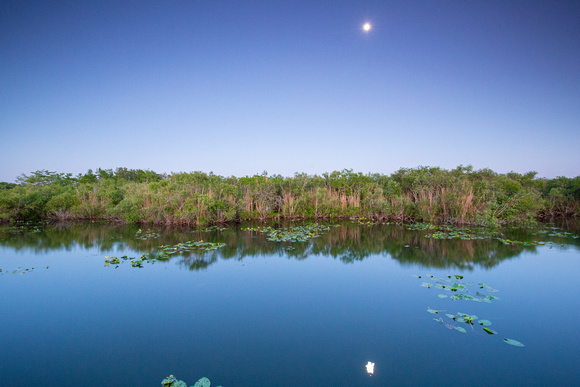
x: 239, y: 87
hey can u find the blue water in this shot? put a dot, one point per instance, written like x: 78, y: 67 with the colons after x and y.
x: 258, y: 315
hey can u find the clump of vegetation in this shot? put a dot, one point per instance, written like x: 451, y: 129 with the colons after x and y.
x: 292, y: 234
x: 19, y: 270
x: 456, y: 289
x: 171, y: 381
x: 424, y: 194
x: 134, y: 261
x: 468, y: 233
x: 455, y: 283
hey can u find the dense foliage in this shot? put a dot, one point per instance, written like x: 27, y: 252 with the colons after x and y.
x: 429, y: 194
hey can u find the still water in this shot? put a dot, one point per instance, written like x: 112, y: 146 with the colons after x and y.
x: 257, y: 312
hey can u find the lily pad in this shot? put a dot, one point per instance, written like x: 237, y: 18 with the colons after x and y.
x: 485, y: 323
x: 460, y: 329
x: 490, y: 331
x: 515, y: 343
x: 171, y: 381
x: 203, y: 382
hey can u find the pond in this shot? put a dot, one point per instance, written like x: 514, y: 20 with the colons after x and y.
x: 293, y: 304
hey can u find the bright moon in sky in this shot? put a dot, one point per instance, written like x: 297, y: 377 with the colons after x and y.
x: 367, y: 27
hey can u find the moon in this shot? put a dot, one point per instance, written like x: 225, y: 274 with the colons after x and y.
x: 366, y: 27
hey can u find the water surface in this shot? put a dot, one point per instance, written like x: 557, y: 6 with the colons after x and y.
x: 257, y: 313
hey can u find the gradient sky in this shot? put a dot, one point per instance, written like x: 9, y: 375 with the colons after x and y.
x: 239, y: 87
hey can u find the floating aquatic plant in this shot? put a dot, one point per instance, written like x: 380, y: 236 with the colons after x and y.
x: 134, y: 261
x: 203, y: 382
x: 19, y: 270
x: 21, y: 227
x: 190, y: 245
x: 515, y: 343
x: 140, y: 234
x: 464, y: 318
x: 172, y: 381
x: 165, y: 252
x: 292, y: 234
x: 468, y: 233
x: 459, y: 289
x: 369, y: 222
x: 212, y: 228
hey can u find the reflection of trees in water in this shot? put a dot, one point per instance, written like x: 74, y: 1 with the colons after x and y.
x: 197, y: 261
x: 67, y: 236
x: 349, y: 242
x: 411, y: 247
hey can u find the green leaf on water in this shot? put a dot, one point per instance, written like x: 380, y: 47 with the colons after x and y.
x: 515, y: 343
x: 203, y: 382
x: 171, y: 381
x: 462, y: 330
x: 490, y: 331
x: 485, y: 323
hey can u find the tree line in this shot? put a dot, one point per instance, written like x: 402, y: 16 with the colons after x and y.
x: 429, y: 194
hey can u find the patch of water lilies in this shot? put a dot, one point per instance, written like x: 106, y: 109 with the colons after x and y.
x: 511, y: 242
x: 458, y: 289
x: 463, y: 234
x: 472, y: 233
x: 421, y: 226
x: 189, y: 246
x: 291, y: 234
x: 19, y: 270
x: 140, y: 234
x: 554, y: 232
x: 28, y: 226
x: 172, y: 381
x: 367, y: 222
x: 212, y: 228
x: 258, y: 229
x: 452, y: 232
x: 134, y: 261
x: 460, y: 318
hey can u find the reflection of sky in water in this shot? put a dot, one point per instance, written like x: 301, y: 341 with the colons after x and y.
x: 269, y: 319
